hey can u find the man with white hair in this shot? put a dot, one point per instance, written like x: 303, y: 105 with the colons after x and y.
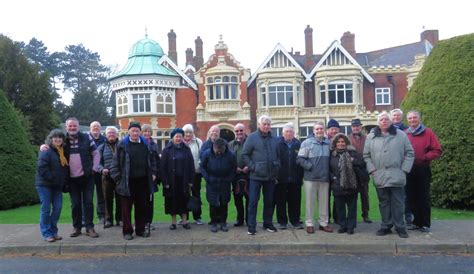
x: 261, y: 155
x: 213, y: 134
x: 99, y: 139
x: 107, y: 152
x: 397, y: 115
x: 389, y: 157
x: 195, y: 144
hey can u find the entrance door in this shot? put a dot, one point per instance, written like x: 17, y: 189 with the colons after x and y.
x: 228, y: 135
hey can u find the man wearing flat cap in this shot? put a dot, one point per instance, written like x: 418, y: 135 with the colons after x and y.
x: 133, y: 169
x: 357, y: 139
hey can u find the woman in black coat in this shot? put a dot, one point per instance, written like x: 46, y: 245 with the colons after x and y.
x: 177, y: 173
x: 51, y: 176
x: 346, y: 169
x: 218, y: 167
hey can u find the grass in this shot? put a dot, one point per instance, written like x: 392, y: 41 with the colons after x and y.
x: 30, y: 214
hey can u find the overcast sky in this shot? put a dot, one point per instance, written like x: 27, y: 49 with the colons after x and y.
x: 251, y: 29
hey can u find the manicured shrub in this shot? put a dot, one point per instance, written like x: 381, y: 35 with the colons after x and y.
x: 17, y: 159
x: 443, y: 92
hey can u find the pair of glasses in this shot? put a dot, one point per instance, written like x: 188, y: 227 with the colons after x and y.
x: 239, y: 130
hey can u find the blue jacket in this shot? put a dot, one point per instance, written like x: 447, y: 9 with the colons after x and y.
x: 49, y: 170
x: 290, y: 172
x: 314, y: 158
x: 261, y: 155
x: 219, y: 172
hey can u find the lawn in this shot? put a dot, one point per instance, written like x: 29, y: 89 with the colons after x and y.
x: 30, y: 214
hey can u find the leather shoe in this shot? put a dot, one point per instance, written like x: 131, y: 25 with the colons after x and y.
x: 327, y: 229
x: 342, y: 230
x: 75, y: 233
x: 91, y: 233
x: 350, y: 231
x: 145, y: 234
x: 310, y: 229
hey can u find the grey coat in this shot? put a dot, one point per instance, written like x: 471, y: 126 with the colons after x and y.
x: 313, y: 157
x: 390, y: 157
x: 261, y: 155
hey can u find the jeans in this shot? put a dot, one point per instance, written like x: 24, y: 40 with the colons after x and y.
x: 254, y: 195
x: 51, y: 204
x: 346, y: 208
x: 82, y: 192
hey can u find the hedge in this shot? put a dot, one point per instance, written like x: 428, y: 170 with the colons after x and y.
x: 443, y: 92
x: 17, y: 160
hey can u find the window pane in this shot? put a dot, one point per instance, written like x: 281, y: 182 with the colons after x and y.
x: 159, y: 98
x: 348, y: 96
x: 274, y: 132
x: 218, y: 79
x: 169, y: 99
x: 225, y: 79
x: 233, y: 79
x: 264, y: 100
x: 160, y: 108
x: 234, y: 91
x: 386, y: 98
x: 379, y: 99
x: 211, y: 93
x: 125, y: 109
x: 323, y: 98
x: 147, y: 105
x: 280, y: 88
x: 272, y: 99
x: 272, y: 89
x: 340, y: 96
x: 332, y: 96
x: 289, y: 98
x: 218, y: 92
x: 281, y: 98
x: 169, y: 108
x: 209, y: 80
x: 226, y: 92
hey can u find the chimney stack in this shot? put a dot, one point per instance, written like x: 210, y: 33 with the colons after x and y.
x: 348, y: 42
x: 172, y: 53
x: 198, y: 59
x: 308, y: 39
x: 431, y: 35
x: 189, y: 56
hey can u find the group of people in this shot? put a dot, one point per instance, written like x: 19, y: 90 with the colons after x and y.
x: 128, y: 172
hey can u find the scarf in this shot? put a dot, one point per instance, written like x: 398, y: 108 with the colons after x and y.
x: 62, y: 158
x: 347, y: 178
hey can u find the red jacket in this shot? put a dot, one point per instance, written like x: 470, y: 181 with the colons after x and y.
x: 358, y: 142
x: 425, y: 144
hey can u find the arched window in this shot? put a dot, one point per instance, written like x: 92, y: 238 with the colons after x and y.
x: 164, y: 103
x: 222, y: 88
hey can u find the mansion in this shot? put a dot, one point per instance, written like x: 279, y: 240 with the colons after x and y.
x: 339, y: 83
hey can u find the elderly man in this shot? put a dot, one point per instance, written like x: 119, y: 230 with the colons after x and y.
x: 261, y: 155
x: 357, y: 139
x: 313, y: 157
x: 107, y: 152
x: 240, y: 183
x: 99, y: 139
x: 427, y: 148
x: 134, y: 170
x: 333, y: 128
x: 290, y: 177
x: 83, y: 162
x: 389, y: 157
x: 213, y: 134
x: 195, y: 144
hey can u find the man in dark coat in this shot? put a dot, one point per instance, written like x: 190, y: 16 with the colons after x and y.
x: 99, y: 139
x: 290, y: 179
x: 218, y: 167
x: 261, y: 155
x: 133, y: 169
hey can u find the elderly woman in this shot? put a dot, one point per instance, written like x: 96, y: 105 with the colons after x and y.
x: 177, y: 171
x: 107, y: 152
x: 195, y: 144
x: 347, y: 171
x: 218, y: 167
x: 147, y: 132
x: 51, y: 176
x: 389, y: 157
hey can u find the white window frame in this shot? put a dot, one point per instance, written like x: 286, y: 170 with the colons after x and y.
x: 336, y: 90
x: 141, y: 98
x: 285, y: 86
x: 165, y: 104
x: 382, y: 91
x: 228, y: 90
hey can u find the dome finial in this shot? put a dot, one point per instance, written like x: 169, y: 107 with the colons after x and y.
x: 146, y: 32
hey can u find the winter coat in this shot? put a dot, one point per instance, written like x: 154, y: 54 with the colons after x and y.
x: 107, y: 152
x: 290, y: 172
x: 425, y: 144
x: 120, y: 171
x: 167, y: 169
x: 219, y: 172
x: 313, y: 157
x: 390, y: 156
x: 261, y: 155
x: 195, y: 145
x: 49, y: 171
x: 358, y: 166
x: 87, y: 150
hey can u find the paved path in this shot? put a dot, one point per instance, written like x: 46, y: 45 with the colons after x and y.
x: 447, y: 237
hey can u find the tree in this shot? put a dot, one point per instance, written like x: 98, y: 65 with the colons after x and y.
x: 17, y: 159
x: 27, y: 88
x: 444, y: 94
x: 86, y: 78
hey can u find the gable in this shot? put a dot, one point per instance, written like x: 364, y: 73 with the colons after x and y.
x: 337, y: 55
x: 278, y: 58
x: 168, y: 63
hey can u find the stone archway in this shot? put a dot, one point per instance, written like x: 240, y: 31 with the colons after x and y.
x: 227, y: 132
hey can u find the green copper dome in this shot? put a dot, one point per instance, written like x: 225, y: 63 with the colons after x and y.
x: 143, y: 60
